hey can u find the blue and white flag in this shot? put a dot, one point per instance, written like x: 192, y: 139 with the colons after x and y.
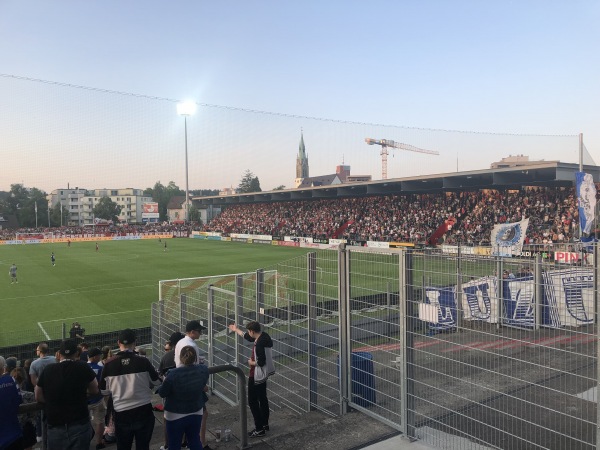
x: 518, y: 298
x: 507, y: 238
x: 586, y: 199
x: 439, y: 308
x: 480, y: 300
x: 568, y: 297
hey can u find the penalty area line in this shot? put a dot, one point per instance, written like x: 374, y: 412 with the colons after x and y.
x: 43, y: 330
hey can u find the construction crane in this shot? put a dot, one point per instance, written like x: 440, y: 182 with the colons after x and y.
x: 385, y: 143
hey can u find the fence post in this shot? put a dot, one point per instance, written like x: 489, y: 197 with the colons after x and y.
x: 459, y: 292
x: 260, y: 295
x: 500, y: 300
x: 211, y: 318
x: 289, y: 325
x: 539, y: 300
x: 597, y: 342
x: 182, y: 307
x: 239, y: 311
x: 64, y: 331
x: 388, y: 304
x: 343, y: 346
x: 406, y: 322
x: 312, y: 324
x: 596, y: 265
x: 155, y: 329
x: 228, y: 333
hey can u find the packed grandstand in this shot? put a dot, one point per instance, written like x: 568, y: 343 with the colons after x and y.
x: 552, y: 214
x: 412, y: 218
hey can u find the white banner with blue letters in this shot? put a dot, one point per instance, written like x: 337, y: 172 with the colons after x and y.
x: 568, y: 301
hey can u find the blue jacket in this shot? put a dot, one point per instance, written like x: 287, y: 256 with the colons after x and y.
x: 183, y: 389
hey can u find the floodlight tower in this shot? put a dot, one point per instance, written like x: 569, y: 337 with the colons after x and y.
x: 186, y: 109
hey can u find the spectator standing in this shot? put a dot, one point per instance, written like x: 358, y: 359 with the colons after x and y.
x: 26, y: 420
x: 193, y: 330
x: 83, y: 351
x: 184, y: 403
x: 35, y: 370
x: 38, y: 365
x: 63, y: 387
x: 27, y: 384
x: 129, y: 378
x: 96, y: 405
x: 11, y: 436
x: 76, y: 332
x: 106, y: 354
x: 261, y: 367
x: 11, y: 364
x: 167, y: 362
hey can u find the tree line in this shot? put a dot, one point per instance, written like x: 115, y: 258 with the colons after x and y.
x: 30, y: 205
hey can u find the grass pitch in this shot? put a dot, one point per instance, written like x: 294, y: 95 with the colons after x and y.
x: 116, y: 284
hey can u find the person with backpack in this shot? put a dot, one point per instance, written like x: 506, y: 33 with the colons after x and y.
x: 261, y: 367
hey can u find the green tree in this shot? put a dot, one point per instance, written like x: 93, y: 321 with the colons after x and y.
x: 162, y: 195
x: 249, y: 183
x: 55, y: 216
x: 195, y: 215
x: 22, y: 202
x: 281, y: 187
x: 107, y: 209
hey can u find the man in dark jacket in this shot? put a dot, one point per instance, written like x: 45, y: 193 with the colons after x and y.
x: 261, y: 366
x: 63, y: 387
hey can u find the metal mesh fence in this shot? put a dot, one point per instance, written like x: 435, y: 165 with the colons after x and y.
x: 511, y: 356
x: 458, y: 350
x: 374, y: 333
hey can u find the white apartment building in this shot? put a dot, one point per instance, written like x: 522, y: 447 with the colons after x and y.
x: 80, y: 203
x: 71, y: 200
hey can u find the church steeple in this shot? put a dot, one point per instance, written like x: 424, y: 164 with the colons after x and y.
x: 301, y: 161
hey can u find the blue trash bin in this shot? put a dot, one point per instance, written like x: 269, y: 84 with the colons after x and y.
x: 363, y: 379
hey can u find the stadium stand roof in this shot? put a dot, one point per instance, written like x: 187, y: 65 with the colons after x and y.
x: 544, y: 173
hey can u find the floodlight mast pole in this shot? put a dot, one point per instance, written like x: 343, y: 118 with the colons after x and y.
x: 187, y: 183
x: 186, y: 109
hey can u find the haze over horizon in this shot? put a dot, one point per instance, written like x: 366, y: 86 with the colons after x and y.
x: 507, y: 78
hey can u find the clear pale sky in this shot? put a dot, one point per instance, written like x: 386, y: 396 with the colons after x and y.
x: 514, y: 68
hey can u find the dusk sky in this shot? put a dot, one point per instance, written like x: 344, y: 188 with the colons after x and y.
x: 504, y: 77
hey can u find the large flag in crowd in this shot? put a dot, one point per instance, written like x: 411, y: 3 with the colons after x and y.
x: 586, y: 199
x: 507, y: 238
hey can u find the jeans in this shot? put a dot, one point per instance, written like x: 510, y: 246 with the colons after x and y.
x: 188, y: 425
x: 70, y: 437
x: 259, y: 404
x: 138, y: 427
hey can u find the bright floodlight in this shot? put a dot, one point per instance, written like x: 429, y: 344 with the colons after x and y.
x: 186, y: 108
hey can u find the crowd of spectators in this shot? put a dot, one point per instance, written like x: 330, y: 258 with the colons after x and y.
x: 104, y: 230
x: 552, y: 214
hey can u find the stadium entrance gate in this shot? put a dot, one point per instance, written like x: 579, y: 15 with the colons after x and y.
x: 438, y: 346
